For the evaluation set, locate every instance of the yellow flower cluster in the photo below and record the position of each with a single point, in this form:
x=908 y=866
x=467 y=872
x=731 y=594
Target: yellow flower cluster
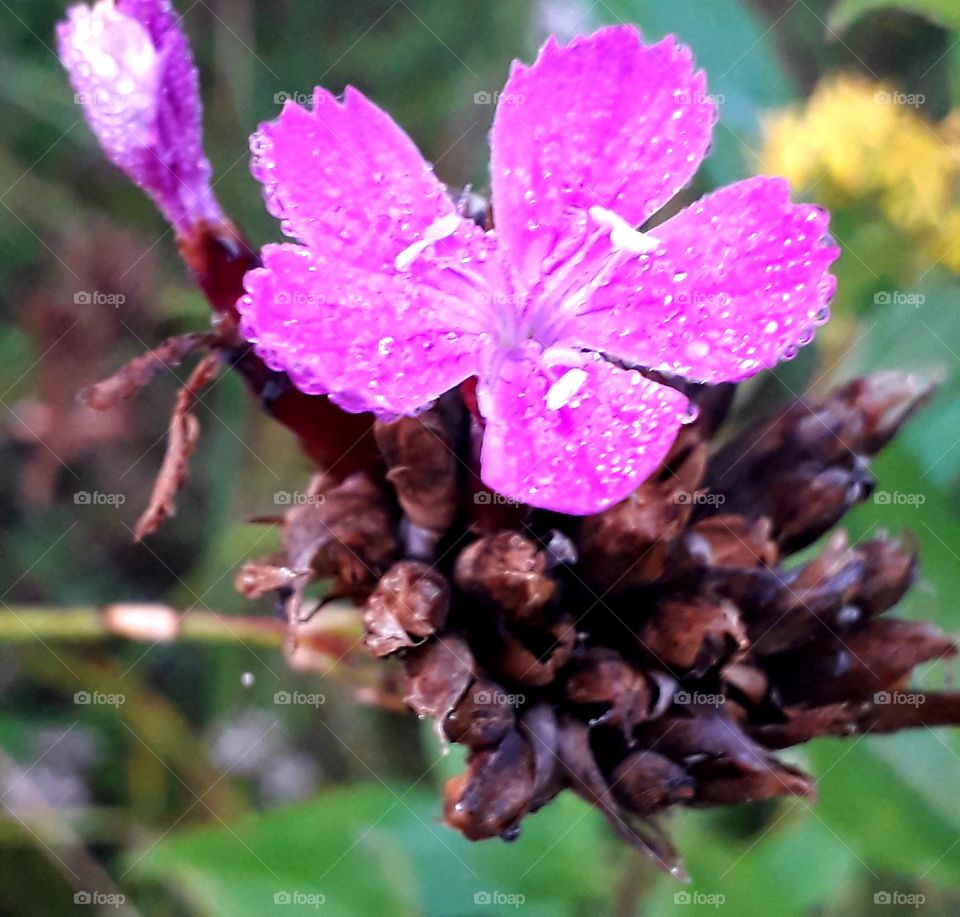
x=856 y=141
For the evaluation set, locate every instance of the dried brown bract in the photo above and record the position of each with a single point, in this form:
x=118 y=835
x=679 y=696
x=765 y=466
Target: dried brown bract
x=654 y=655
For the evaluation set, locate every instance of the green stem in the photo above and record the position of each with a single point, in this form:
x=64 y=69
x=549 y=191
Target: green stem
x=84 y=624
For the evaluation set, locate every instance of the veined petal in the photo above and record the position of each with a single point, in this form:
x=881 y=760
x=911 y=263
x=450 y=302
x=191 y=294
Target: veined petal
x=571 y=432
x=375 y=341
x=347 y=181
x=604 y=122
x=739 y=282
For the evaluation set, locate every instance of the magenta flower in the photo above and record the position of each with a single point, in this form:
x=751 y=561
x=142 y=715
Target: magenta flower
x=133 y=73
x=392 y=298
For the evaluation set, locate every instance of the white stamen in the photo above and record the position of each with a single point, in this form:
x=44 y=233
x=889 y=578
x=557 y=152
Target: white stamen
x=439 y=229
x=560 y=393
x=622 y=235
x=554 y=356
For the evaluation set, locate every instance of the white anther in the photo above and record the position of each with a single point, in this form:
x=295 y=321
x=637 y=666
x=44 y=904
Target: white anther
x=622 y=235
x=441 y=228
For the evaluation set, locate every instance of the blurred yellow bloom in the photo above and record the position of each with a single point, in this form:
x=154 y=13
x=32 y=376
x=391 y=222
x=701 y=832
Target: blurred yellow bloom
x=856 y=141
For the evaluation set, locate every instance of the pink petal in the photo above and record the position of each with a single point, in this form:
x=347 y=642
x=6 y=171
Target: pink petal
x=375 y=341
x=134 y=76
x=740 y=281
x=577 y=435
x=605 y=121
x=347 y=181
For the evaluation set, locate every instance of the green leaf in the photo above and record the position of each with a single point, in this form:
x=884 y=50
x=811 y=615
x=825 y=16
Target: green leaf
x=926 y=760
x=922 y=338
x=929 y=520
x=787 y=867
x=370 y=850
x=942 y=12
x=917 y=475
x=884 y=821
x=743 y=70
x=953 y=73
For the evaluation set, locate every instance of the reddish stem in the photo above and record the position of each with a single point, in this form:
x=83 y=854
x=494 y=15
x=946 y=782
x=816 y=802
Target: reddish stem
x=339 y=442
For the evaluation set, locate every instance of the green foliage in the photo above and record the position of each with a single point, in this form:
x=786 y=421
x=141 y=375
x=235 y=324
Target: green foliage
x=378 y=849
x=176 y=825
x=919 y=328
x=789 y=866
x=911 y=834
x=942 y=12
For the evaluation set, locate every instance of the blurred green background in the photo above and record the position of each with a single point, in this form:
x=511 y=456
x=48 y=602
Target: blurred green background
x=199 y=793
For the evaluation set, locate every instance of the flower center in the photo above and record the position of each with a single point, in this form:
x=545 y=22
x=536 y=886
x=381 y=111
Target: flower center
x=607 y=240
